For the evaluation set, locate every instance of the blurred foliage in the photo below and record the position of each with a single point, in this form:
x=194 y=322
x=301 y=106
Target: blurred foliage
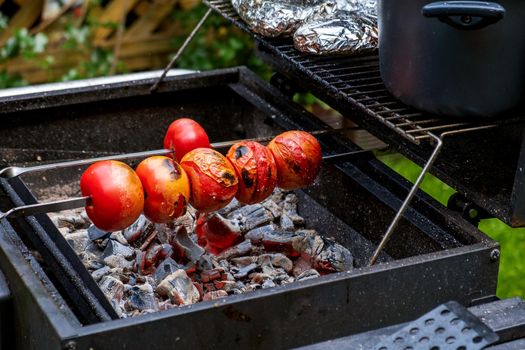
x=217 y=45
x=511 y=280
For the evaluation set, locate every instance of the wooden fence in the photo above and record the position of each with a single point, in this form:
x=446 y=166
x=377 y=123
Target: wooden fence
x=139 y=32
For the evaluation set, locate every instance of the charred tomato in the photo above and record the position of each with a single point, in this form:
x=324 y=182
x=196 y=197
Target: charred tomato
x=117 y=198
x=298 y=158
x=256 y=170
x=166 y=188
x=184 y=135
x=212 y=177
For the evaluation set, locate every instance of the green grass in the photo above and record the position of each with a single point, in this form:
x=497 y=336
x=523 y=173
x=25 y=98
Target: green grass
x=512 y=265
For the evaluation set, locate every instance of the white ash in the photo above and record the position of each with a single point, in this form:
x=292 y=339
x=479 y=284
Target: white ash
x=150 y=267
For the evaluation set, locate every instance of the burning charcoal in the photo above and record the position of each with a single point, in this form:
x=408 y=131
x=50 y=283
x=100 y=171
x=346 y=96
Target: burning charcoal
x=116 y=248
x=118 y=261
x=244 y=260
x=308 y=274
x=90 y=261
x=95 y=233
x=250 y=217
x=233 y=205
x=243 y=248
x=98 y=274
x=256 y=235
x=272 y=207
x=200 y=288
x=215 y=295
x=205 y=262
x=227 y=286
x=184 y=246
x=280 y=242
x=286 y=223
x=216 y=232
x=224 y=264
x=301 y=265
x=268 y=284
x=284 y=279
x=119 y=237
x=167 y=267
x=211 y=275
x=325 y=254
x=113 y=289
x=245 y=271
x=187 y=220
x=153 y=256
x=73 y=222
x=78 y=240
x=179 y=288
x=278 y=260
x=166 y=305
x=141 y=298
x=290 y=209
x=253 y=286
x=137 y=229
x=209 y=287
x=227 y=277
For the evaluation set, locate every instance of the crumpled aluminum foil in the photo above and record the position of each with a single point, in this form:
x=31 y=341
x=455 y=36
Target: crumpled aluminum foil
x=348 y=32
x=273 y=18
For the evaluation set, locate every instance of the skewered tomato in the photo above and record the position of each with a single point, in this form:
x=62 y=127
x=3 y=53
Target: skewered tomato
x=117 y=198
x=256 y=171
x=298 y=158
x=212 y=177
x=184 y=135
x=166 y=188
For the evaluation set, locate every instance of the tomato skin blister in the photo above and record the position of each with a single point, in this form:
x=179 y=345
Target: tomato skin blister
x=256 y=170
x=166 y=188
x=298 y=157
x=213 y=179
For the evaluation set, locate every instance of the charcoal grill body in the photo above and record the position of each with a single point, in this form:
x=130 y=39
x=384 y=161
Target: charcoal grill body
x=436 y=256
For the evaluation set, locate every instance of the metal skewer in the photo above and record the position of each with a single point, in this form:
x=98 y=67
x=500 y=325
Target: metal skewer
x=78 y=202
x=181 y=50
x=15 y=171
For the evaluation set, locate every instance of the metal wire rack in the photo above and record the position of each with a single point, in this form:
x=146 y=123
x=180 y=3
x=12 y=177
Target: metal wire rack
x=355 y=83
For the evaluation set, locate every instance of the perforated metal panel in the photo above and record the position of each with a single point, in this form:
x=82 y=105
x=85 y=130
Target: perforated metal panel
x=449 y=326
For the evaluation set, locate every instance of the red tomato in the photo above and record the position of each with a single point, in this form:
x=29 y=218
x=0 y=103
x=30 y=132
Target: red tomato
x=298 y=158
x=166 y=188
x=184 y=135
x=212 y=177
x=117 y=198
x=256 y=171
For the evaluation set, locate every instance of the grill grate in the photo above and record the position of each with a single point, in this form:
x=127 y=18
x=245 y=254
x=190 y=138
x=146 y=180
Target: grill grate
x=356 y=82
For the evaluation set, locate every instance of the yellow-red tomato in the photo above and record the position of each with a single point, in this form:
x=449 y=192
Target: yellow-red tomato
x=166 y=188
x=212 y=177
x=184 y=135
x=298 y=158
x=117 y=198
x=255 y=169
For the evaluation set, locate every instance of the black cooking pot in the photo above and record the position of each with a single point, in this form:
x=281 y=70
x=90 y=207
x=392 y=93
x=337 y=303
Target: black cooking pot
x=455 y=58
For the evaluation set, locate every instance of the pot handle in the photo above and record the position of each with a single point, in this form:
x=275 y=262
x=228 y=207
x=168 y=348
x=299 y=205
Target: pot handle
x=466 y=15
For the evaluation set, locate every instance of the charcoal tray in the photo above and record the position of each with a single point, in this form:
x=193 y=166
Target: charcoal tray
x=434 y=257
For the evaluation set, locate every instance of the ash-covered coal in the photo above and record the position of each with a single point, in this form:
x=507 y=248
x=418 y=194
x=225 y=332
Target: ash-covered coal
x=151 y=267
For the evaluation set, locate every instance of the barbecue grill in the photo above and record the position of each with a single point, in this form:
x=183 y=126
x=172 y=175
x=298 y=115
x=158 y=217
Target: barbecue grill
x=50 y=300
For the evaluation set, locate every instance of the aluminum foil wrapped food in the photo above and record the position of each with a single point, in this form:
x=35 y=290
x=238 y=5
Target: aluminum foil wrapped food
x=273 y=18
x=348 y=32
x=281 y=18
